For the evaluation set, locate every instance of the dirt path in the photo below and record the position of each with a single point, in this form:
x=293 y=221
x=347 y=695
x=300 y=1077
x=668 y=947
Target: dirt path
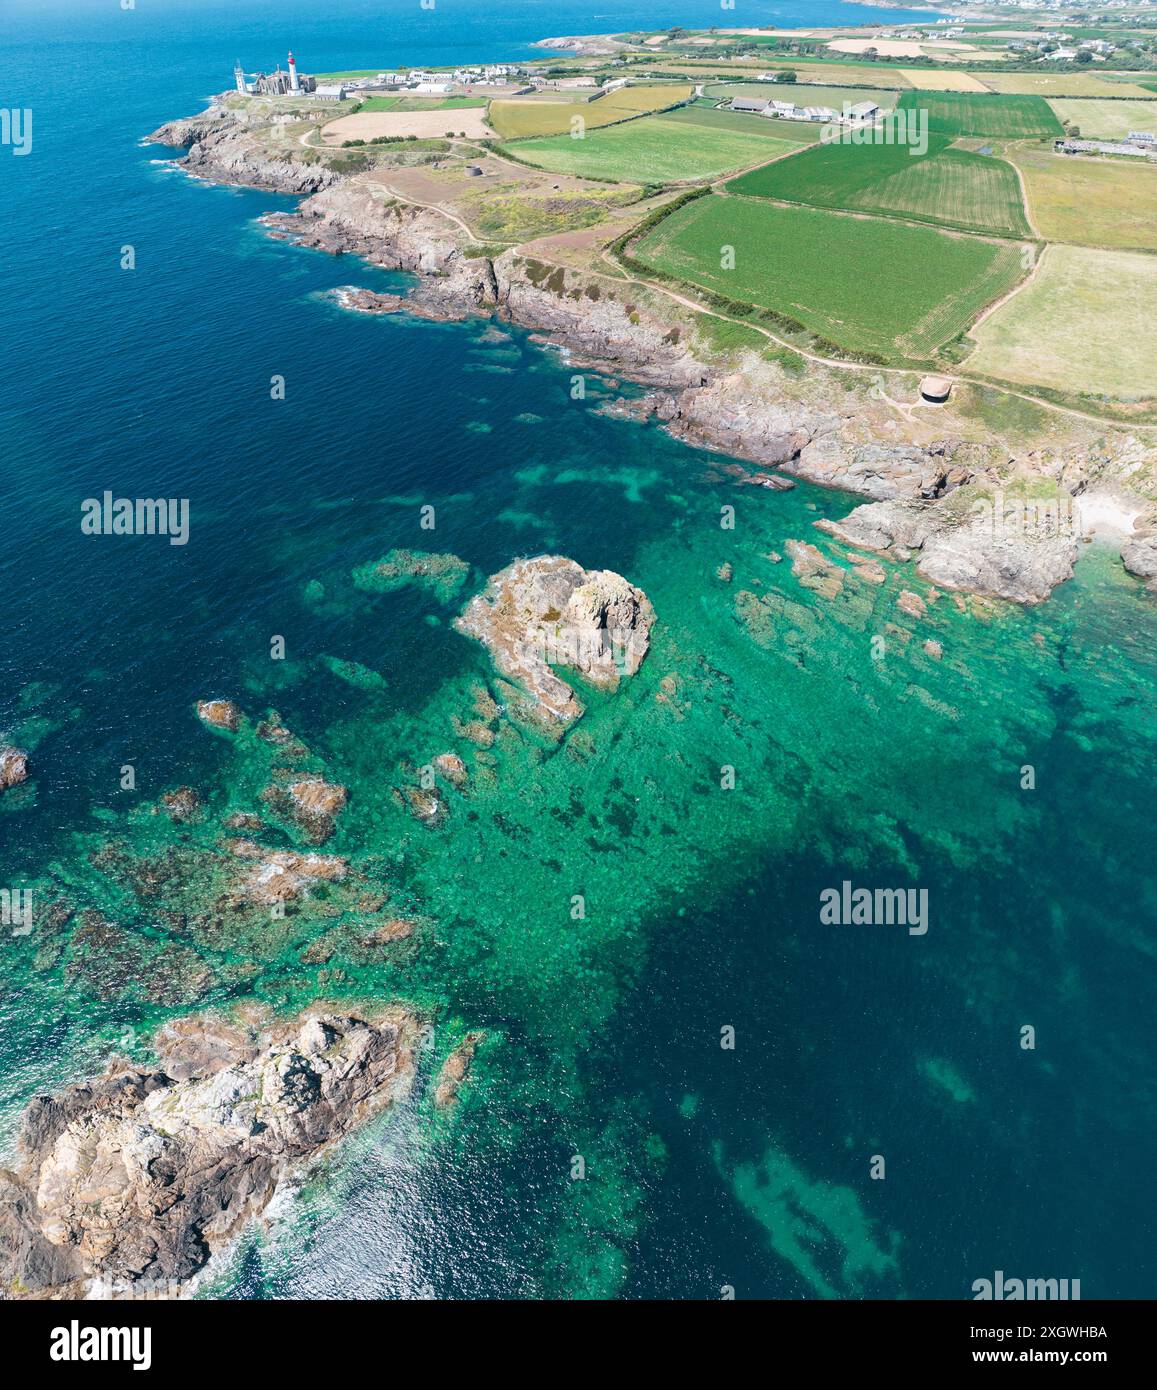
x=437 y=207
x=1012 y=293
x=1028 y=217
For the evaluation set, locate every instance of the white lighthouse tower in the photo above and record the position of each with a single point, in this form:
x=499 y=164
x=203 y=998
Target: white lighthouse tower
x=294 y=80
x=239 y=76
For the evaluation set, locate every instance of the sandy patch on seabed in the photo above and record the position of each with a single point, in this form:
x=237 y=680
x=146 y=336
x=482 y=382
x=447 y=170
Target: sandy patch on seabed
x=367 y=125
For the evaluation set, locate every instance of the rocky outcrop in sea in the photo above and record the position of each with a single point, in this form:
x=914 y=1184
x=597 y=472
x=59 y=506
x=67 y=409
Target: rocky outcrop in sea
x=550 y=611
x=13 y=766
x=963 y=553
x=135 y=1179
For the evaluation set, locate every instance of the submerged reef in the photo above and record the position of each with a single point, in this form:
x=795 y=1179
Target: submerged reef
x=441 y=575
x=783 y=696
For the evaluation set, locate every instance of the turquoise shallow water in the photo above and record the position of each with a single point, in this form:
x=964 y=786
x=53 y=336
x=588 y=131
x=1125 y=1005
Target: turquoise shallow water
x=706 y=1167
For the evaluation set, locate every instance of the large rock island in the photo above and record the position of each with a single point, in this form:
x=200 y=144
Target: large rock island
x=550 y=611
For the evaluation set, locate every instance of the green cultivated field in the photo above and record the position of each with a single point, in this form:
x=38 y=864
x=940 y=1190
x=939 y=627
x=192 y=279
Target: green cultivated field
x=984 y=115
x=949 y=187
x=866 y=284
x=514 y=119
x=710 y=118
x=655 y=149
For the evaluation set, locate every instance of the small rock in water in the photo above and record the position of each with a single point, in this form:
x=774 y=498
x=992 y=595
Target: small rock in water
x=869 y=570
x=424 y=806
x=181 y=805
x=280 y=876
x=221 y=714
x=272 y=730
x=814 y=570
x=454 y=1070
x=451 y=766
x=13 y=766
x=396 y=929
x=911 y=603
x=316 y=804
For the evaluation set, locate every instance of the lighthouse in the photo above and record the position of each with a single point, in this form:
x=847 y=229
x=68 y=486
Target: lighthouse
x=294 y=80
x=239 y=77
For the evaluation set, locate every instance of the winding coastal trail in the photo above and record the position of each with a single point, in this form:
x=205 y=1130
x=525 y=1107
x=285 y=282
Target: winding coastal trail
x=622 y=276
x=451 y=216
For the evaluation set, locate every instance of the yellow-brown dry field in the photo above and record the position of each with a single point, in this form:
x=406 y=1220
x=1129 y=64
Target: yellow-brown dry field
x=1086 y=323
x=1104 y=119
x=947 y=81
x=368 y=125
x=1064 y=84
x=1089 y=202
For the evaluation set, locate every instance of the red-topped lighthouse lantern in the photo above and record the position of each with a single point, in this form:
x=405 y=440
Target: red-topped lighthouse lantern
x=294 y=81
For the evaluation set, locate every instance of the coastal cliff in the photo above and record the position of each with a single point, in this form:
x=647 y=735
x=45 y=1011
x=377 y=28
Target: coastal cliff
x=221 y=147
x=837 y=438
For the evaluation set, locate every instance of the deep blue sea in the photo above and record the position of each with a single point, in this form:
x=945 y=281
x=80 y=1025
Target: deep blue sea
x=710 y=1168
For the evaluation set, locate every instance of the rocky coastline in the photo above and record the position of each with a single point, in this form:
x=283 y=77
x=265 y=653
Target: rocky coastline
x=744 y=413
x=128 y=1184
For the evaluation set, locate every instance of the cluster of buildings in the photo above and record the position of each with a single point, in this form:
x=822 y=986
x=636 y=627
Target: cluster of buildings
x=859 y=114
x=1041 y=4
x=423 y=83
x=285 y=82
x=1068 y=4
x=288 y=81
x=1060 y=48
x=1140 y=144
x=493 y=75
x=1097 y=49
